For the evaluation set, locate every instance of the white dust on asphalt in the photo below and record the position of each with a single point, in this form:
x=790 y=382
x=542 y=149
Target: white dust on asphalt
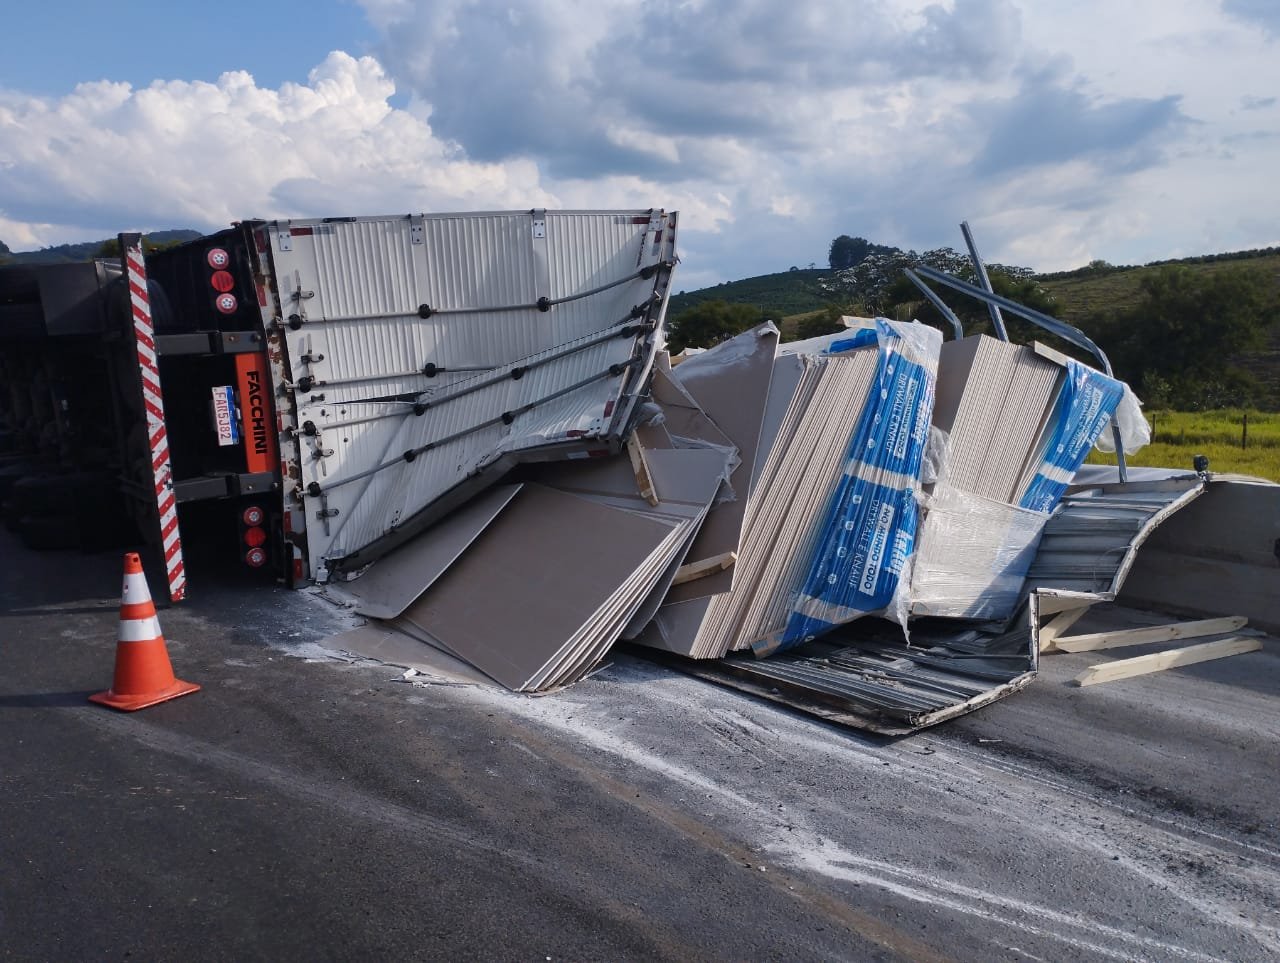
x=926 y=819
x=804 y=794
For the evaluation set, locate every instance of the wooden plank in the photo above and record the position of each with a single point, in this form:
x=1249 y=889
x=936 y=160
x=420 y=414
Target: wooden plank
x=708 y=566
x=638 y=465
x=1050 y=631
x=1159 y=661
x=1151 y=633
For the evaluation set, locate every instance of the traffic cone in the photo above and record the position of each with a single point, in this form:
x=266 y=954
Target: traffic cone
x=143 y=674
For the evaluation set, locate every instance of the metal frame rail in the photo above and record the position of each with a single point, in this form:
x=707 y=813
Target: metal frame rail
x=1053 y=325
x=980 y=269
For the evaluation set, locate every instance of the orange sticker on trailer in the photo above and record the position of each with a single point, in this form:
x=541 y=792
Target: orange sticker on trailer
x=256 y=415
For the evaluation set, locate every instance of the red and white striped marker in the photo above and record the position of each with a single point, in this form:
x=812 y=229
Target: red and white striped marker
x=152 y=399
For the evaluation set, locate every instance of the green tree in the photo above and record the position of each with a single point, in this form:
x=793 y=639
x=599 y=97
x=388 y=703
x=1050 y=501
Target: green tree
x=825 y=321
x=904 y=302
x=1183 y=338
x=110 y=248
x=846 y=252
x=707 y=324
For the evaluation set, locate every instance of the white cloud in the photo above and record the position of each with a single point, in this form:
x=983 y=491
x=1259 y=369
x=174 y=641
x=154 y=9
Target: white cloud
x=1062 y=133
x=107 y=157
x=893 y=121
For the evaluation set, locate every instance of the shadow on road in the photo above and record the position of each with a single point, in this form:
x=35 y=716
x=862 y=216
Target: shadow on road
x=46 y=700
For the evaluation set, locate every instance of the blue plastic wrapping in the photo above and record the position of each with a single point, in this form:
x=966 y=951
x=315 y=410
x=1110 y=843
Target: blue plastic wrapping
x=1085 y=405
x=869 y=534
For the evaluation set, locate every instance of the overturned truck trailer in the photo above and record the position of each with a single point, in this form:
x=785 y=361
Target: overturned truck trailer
x=298 y=397
x=430 y=413
x=422 y=357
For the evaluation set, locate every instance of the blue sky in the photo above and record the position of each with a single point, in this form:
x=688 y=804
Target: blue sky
x=48 y=48
x=1062 y=132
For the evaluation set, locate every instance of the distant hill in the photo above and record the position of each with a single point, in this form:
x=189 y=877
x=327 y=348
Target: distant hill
x=1097 y=288
x=64 y=253
x=1082 y=293
x=786 y=293
x=806 y=290
x=1100 y=287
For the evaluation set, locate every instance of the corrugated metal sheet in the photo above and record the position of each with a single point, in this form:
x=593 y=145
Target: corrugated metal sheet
x=1090 y=542
x=495 y=376
x=855 y=678
x=882 y=686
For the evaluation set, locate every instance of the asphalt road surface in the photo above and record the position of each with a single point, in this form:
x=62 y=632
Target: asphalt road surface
x=304 y=806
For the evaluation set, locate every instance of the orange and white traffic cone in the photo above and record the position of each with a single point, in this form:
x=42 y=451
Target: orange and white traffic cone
x=143 y=674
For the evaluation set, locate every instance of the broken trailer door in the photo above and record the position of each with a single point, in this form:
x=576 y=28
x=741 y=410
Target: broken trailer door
x=423 y=356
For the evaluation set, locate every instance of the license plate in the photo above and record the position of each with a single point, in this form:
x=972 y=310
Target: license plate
x=224 y=415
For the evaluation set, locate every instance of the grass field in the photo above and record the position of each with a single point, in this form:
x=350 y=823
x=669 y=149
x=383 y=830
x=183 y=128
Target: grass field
x=1085 y=294
x=784 y=293
x=1179 y=436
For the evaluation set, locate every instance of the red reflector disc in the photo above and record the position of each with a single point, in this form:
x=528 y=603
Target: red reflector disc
x=222 y=281
x=226 y=303
x=218 y=258
x=253 y=515
x=255 y=558
x=253 y=537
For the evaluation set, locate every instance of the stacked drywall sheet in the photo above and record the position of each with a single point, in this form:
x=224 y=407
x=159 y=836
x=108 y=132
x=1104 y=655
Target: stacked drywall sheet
x=730 y=387
x=994 y=400
x=540 y=596
x=795 y=487
x=530 y=584
x=1085 y=405
x=387 y=587
x=679 y=624
x=830 y=515
x=868 y=534
x=1018 y=424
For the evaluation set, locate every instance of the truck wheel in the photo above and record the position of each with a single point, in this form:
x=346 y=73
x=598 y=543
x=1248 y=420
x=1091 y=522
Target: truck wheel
x=102 y=521
x=55 y=494
x=9 y=475
x=48 y=532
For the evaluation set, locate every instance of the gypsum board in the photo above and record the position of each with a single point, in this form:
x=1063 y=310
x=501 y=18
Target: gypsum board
x=785 y=574
x=787 y=503
x=758 y=531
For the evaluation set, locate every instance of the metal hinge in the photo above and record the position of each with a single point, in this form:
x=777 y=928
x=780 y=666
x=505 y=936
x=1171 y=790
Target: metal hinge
x=657 y=222
x=539 y=215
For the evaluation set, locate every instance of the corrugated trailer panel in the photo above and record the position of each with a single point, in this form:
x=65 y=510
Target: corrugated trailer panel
x=428 y=353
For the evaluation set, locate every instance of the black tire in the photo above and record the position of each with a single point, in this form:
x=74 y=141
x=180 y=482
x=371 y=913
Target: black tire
x=57 y=493
x=9 y=475
x=49 y=532
x=103 y=522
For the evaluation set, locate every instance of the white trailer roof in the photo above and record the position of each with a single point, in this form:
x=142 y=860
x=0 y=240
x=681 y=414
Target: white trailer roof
x=426 y=354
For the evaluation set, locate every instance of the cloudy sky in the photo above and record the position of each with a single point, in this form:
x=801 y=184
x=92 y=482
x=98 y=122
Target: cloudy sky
x=1128 y=130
